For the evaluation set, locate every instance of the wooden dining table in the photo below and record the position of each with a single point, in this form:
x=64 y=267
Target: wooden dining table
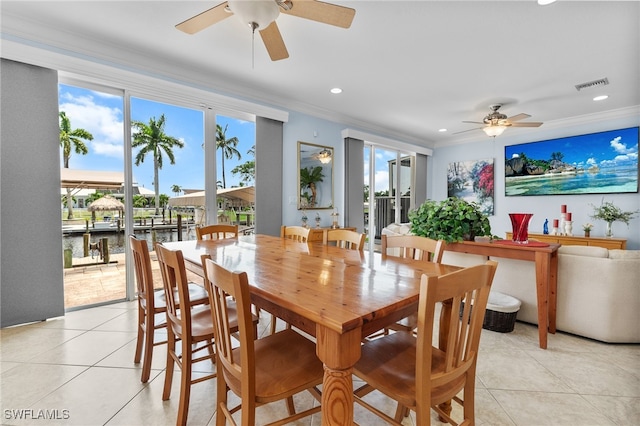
x=338 y=296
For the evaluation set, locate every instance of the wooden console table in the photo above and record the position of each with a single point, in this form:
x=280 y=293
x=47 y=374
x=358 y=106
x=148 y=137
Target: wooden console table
x=546 y=260
x=565 y=240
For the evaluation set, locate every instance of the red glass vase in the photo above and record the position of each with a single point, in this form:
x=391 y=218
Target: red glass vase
x=520 y=224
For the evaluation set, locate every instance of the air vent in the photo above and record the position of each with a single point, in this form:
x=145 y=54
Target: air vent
x=594 y=83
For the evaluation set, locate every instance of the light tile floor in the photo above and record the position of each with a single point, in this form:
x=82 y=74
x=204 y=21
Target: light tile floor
x=80 y=369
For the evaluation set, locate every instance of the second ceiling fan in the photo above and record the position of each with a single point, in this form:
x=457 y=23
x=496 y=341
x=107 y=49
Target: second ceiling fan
x=261 y=15
x=496 y=122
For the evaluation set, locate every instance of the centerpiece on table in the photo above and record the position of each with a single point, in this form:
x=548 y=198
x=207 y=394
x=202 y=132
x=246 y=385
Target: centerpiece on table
x=451 y=220
x=610 y=213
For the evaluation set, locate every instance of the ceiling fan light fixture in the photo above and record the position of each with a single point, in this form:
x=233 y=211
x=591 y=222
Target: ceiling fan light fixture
x=255 y=12
x=494 y=131
x=324 y=156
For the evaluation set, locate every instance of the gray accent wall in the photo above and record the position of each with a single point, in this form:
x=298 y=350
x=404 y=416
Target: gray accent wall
x=421 y=179
x=31 y=274
x=354 y=191
x=269 y=191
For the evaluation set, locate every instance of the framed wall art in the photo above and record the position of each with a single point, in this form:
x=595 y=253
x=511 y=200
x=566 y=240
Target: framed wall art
x=596 y=163
x=472 y=181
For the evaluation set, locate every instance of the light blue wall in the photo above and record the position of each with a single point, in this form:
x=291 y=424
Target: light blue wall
x=305 y=128
x=541 y=206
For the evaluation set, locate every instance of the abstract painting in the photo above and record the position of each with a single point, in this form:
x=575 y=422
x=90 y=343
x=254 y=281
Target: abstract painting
x=472 y=181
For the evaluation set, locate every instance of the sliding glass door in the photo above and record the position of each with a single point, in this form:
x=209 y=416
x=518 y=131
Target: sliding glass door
x=388 y=188
x=91 y=158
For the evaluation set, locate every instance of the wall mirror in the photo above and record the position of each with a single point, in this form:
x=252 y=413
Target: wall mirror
x=315 y=176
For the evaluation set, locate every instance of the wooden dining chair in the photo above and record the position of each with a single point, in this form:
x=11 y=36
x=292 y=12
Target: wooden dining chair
x=152 y=302
x=193 y=328
x=416 y=374
x=216 y=232
x=261 y=371
x=297 y=233
x=344 y=238
x=411 y=247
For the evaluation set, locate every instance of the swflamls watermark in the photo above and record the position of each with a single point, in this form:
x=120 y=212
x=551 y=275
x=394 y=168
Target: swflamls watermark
x=36 y=414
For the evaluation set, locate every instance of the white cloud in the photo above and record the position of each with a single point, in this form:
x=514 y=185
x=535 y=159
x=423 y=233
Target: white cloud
x=381 y=180
x=620 y=147
x=104 y=123
x=591 y=161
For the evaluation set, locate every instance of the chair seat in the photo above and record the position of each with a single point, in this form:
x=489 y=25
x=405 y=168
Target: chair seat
x=285 y=352
x=390 y=363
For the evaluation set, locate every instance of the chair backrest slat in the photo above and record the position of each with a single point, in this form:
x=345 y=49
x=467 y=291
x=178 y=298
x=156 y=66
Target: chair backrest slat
x=174 y=278
x=297 y=233
x=413 y=247
x=142 y=264
x=216 y=232
x=344 y=238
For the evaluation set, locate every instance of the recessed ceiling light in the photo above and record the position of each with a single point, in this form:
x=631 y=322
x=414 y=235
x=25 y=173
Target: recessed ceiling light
x=442 y=130
x=545 y=2
x=336 y=90
x=600 y=98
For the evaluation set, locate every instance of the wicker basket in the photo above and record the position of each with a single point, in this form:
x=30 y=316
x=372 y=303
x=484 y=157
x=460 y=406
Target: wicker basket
x=501 y=312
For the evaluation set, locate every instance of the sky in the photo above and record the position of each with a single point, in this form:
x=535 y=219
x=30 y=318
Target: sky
x=604 y=149
x=101 y=114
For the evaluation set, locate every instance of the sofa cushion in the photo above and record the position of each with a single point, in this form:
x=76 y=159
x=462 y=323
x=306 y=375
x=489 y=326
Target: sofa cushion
x=584 y=251
x=624 y=254
x=397 y=229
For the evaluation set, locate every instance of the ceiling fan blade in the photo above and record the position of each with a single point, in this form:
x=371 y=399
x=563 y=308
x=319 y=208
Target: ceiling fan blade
x=326 y=13
x=474 y=122
x=518 y=117
x=528 y=124
x=468 y=130
x=274 y=43
x=204 y=19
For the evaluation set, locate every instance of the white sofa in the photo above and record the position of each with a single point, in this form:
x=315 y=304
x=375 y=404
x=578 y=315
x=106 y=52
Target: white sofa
x=598 y=292
x=598 y=289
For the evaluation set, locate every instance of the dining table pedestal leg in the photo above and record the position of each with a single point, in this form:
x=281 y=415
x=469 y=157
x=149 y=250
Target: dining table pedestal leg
x=339 y=353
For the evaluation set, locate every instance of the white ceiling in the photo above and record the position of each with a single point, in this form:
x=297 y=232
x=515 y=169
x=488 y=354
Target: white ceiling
x=407 y=68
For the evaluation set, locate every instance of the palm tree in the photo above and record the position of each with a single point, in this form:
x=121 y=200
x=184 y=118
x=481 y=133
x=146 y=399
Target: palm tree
x=247 y=171
x=71 y=138
x=151 y=138
x=176 y=189
x=309 y=177
x=228 y=147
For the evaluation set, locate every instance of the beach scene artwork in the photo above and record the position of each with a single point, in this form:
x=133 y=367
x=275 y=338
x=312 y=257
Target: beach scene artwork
x=472 y=181
x=597 y=163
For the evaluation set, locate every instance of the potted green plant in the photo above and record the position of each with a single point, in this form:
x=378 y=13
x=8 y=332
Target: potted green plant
x=610 y=213
x=451 y=220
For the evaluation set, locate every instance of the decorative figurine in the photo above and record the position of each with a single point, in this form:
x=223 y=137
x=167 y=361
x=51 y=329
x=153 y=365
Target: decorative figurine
x=318 y=219
x=545 y=227
x=334 y=216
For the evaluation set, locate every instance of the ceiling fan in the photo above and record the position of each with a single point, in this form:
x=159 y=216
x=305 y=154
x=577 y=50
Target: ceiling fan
x=261 y=15
x=495 y=123
x=324 y=156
